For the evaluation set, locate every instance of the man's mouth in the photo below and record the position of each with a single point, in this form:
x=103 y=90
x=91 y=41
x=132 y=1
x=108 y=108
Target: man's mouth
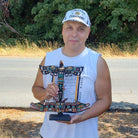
x=73 y=41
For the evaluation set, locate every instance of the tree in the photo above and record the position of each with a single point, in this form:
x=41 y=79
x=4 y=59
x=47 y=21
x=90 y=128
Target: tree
x=4 y=14
x=48 y=16
x=14 y=16
x=121 y=16
x=112 y=21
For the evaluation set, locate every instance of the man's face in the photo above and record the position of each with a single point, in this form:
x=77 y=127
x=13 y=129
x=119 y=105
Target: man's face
x=75 y=34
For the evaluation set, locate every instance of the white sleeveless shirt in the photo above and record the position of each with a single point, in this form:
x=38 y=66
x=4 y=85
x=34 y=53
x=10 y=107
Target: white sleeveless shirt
x=86 y=129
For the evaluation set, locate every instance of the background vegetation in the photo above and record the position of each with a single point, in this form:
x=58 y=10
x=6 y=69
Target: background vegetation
x=38 y=21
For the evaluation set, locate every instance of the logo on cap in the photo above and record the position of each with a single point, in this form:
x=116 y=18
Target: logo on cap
x=77 y=13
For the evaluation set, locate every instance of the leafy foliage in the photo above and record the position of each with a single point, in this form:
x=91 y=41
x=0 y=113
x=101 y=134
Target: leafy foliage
x=112 y=21
x=19 y=17
x=122 y=15
x=20 y=13
x=48 y=17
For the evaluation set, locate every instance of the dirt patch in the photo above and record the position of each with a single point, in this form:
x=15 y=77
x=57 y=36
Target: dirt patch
x=118 y=125
x=16 y=123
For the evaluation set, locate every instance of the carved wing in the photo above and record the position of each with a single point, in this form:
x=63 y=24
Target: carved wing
x=52 y=70
x=73 y=70
x=60 y=106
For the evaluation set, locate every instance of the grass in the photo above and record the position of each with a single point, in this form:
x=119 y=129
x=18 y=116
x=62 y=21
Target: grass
x=25 y=50
x=113 y=50
x=32 y=50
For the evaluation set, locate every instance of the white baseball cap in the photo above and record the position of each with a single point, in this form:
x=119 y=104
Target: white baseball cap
x=77 y=15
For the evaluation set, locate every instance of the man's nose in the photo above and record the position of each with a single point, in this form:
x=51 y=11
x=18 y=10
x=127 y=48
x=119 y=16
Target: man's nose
x=74 y=33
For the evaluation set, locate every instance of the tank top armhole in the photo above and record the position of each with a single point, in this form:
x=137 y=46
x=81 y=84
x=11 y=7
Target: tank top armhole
x=94 y=56
x=98 y=56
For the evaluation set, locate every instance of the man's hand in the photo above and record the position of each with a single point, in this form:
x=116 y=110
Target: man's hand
x=52 y=90
x=74 y=119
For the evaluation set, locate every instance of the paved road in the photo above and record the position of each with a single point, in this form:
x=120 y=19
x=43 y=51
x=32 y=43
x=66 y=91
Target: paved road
x=17 y=76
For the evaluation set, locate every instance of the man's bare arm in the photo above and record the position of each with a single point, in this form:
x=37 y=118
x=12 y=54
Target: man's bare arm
x=38 y=89
x=103 y=93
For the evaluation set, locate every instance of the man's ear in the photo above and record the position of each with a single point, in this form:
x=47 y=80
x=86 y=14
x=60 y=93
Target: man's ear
x=62 y=30
x=89 y=33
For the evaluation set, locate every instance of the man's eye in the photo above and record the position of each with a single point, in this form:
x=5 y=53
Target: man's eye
x=81 y=29
x=69 y=28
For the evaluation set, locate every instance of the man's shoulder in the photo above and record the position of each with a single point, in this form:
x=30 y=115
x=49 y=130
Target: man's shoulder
x=56 y=51
x=93 y=52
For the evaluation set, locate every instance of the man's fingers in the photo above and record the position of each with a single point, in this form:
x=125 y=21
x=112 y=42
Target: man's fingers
x=52 y=89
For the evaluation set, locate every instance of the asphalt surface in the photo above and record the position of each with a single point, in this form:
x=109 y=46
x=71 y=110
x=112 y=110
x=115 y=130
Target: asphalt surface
x=18 y=74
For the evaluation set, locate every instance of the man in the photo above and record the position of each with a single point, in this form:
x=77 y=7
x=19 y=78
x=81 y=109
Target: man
x=95 y=84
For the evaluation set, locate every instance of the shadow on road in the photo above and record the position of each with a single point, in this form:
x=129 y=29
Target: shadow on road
x=124 y=106
x=15 y=128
